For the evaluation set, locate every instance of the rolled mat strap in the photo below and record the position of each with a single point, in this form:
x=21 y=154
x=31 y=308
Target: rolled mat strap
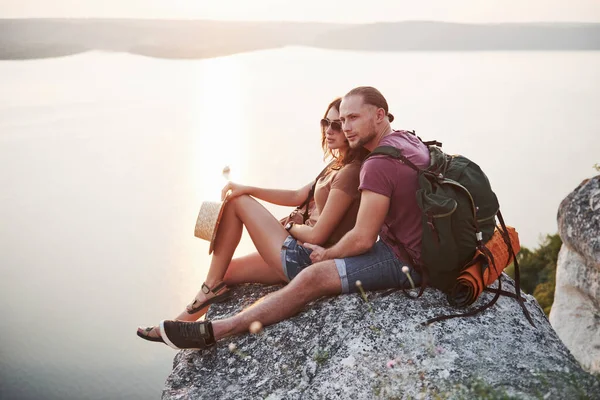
x=488 y=266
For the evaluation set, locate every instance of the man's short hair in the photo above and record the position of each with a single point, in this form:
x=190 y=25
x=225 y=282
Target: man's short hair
x=371 y=96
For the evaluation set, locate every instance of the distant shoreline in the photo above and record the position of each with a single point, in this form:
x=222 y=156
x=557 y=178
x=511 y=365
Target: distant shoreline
x=26 y=39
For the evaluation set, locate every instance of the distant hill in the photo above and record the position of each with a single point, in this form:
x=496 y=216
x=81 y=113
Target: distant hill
x=41 y=38
x=403 y=36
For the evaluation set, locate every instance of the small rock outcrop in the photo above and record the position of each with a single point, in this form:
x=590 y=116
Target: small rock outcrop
x=345 y=348
x=575 y=312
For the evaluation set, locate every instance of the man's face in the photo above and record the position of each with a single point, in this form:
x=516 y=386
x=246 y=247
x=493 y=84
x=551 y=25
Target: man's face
x=358 y=121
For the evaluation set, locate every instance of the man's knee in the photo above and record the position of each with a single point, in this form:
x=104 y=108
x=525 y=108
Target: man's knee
x=322 y=278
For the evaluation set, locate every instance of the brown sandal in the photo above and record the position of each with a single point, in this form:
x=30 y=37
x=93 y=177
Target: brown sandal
x=220 y=293
x=144 y=333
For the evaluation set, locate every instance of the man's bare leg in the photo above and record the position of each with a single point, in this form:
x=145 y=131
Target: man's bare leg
x=320 y=279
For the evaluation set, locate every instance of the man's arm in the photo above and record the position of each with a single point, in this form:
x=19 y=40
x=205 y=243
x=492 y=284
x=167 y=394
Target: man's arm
x=336 y=207
x=371 y=214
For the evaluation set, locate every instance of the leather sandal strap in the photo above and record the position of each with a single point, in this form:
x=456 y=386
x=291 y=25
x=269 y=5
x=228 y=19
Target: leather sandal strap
x=205 y=289
x=215 y=290
x=218 y=288
x=148 y=330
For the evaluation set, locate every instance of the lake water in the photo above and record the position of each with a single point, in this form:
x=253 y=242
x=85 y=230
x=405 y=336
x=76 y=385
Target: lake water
x=106 y=157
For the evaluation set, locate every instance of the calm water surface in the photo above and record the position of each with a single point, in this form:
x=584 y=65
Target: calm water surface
x=105 y=159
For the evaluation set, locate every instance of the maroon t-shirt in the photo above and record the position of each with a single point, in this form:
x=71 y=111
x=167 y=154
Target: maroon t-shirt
x=392 y=178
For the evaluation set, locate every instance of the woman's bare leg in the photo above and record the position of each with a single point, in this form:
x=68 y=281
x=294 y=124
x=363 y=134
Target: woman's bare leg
x=247 y=269
x=266 y=233
x=250 y=268
x=264 y=267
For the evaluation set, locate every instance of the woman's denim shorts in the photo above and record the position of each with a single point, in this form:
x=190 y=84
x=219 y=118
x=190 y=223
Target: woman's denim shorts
x=294 y=257
x=376 y=269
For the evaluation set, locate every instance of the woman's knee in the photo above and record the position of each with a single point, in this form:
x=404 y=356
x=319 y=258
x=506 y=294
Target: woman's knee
x=239 y=200
x=238 y=203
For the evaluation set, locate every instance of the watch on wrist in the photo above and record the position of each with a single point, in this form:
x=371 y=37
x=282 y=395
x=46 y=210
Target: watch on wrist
x=289 y=225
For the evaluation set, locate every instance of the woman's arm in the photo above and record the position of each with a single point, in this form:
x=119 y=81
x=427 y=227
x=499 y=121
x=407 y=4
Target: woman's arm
x=335 y=208
x=274 y=196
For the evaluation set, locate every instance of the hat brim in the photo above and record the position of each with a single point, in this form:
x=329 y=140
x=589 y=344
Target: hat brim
x=214 y=235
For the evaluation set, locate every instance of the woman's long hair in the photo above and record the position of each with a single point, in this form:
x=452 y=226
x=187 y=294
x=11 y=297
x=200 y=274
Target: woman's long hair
x=340 y=158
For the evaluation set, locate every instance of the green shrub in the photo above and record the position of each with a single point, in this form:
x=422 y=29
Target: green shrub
x=538 y=270
x=544 y=294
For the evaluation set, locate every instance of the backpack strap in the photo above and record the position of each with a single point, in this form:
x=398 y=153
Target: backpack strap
x=393 y=152
x=503 y=293
x=432 y=143
x=517 y=273
x=488 y=255
x=426 y=143
x=470 y=313
x=311 y=194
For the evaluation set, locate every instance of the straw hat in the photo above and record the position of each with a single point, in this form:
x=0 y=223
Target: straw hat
x=208 y=220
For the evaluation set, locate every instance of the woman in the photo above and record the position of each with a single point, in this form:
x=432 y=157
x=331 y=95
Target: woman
x=280 y=255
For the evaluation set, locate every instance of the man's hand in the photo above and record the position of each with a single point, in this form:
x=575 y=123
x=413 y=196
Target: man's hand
x=234 y=189
x=318 y=253
x=371 y=215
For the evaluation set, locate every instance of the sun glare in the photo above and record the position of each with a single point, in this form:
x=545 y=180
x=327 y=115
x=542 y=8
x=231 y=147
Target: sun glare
x=218 y=115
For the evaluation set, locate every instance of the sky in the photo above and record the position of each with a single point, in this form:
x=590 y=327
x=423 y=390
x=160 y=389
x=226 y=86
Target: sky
x=344 y=11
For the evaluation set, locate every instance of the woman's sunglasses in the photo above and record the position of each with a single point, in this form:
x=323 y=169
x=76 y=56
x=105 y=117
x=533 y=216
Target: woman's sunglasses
x=335 y=125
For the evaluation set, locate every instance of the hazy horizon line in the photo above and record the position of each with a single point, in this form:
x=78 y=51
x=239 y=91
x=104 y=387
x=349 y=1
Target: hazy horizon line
x=303 y=22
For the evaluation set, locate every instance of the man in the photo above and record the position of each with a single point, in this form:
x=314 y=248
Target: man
x=388 y=209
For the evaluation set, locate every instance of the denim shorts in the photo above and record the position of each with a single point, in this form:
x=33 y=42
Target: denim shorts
x=294 y=257
x=377 y=269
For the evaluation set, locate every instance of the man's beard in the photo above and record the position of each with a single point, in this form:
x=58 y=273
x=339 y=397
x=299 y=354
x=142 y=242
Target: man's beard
x=364 y=140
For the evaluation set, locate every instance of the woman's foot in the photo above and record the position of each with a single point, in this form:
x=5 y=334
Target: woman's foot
x=207 y=296
x=150 y=333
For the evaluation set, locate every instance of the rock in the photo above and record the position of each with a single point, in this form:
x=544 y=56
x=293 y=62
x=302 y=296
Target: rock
x=338 y=349
x=579 y=220
x=575 y=312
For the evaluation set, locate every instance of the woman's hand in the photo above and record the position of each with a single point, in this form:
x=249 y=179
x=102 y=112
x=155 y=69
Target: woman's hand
x=318 y=252
x=234 y=190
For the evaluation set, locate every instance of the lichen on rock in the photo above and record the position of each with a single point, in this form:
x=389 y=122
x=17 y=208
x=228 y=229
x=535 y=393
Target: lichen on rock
x=337 y=349
x=575 y=312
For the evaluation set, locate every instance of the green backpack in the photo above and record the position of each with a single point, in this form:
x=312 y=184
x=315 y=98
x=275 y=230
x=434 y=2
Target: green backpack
x=459 y=212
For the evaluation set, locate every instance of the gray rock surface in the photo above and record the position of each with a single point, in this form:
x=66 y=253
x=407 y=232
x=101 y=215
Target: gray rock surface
x=345 y=348
x=575 y=313
x=579 y=220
